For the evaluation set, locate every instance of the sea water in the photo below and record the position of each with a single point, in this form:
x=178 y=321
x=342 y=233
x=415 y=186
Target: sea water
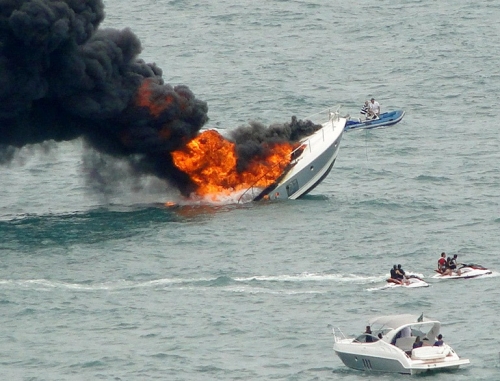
x=116 y=286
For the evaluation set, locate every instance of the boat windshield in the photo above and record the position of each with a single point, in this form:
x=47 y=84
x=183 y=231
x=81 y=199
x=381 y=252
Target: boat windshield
x=364 y=338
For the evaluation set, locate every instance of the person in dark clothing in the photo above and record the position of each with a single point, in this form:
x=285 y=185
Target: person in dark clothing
x=369 y=338
x=439 y=341
x=394 y=275
x=452 y=264
x=401 y=275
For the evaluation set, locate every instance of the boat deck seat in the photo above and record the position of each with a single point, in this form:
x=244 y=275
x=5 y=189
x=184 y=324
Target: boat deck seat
x=430 y=353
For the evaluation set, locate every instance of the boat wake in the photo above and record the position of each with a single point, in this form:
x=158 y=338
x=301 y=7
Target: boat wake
x=275 y=284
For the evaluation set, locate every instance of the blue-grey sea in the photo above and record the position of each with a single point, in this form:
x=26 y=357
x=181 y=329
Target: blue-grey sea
x=115 y=286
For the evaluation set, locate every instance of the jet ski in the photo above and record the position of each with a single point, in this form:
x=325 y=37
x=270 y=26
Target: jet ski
x=411 y=281
x=467 y=271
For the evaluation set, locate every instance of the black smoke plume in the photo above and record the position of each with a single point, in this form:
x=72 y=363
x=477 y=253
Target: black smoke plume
x=61 y=77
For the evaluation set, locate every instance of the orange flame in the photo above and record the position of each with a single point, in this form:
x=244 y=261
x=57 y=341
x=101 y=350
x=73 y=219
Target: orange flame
x=210 y=160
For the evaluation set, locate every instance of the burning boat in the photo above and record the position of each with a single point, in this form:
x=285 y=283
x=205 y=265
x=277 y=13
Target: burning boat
x=310 y=163
x=257 y=162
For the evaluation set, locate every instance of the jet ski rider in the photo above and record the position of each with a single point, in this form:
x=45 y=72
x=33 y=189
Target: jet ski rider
x=401 y=275
x=398 y=275
x=442 y=268
x=394 y=275
x=452 y=264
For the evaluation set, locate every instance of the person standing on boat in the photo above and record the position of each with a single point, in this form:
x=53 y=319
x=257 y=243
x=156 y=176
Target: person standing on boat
x=368 y=332
x=374 y=108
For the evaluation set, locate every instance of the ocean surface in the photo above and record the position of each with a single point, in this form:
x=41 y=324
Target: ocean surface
x=116 y=286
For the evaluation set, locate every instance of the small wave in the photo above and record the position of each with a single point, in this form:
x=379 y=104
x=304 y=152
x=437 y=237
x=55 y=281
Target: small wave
x=311 y=277
x=261 y=290
x=428 y=178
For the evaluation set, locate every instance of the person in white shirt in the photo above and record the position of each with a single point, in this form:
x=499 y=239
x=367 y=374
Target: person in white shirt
x=374 y=108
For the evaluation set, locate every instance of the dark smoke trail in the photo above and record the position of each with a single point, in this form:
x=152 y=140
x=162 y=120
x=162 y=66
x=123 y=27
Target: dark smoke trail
x=61 y=77
x=249 y=139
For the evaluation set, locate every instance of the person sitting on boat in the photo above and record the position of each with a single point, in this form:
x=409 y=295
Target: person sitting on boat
x=394 y=275
x=374 y=112
x=400 y=271
x=442 y=269
x=453 y=264
x=364 y=111
x=418 y=343
x=440 y=341
x=401 y=275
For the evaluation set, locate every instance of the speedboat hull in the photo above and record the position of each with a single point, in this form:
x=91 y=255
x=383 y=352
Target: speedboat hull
x=397 y=361
x=314 y=160
x=386 y=119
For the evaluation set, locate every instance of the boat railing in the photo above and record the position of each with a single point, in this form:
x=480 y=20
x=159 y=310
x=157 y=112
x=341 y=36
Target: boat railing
x=333 y=113
x=340 y=336
x=333 y=116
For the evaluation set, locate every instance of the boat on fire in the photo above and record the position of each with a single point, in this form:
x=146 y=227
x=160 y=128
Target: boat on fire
x=310 y=163
x=389 y=347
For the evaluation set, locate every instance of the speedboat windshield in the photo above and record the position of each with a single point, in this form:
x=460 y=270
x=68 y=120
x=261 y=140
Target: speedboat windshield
x=365 y=338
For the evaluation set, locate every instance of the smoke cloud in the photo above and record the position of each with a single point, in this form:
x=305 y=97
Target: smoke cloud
x=61 y=78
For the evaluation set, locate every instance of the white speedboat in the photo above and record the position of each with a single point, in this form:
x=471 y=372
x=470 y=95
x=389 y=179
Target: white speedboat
x=466 y=272
x=311 y=162
x=393 y=352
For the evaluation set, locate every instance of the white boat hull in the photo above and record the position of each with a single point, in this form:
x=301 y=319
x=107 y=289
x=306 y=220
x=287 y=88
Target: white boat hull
x=465 y=273
x=313 y=164
x=387 y=358
x=411 y=283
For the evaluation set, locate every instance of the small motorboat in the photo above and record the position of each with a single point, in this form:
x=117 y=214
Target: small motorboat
x=411 y=281
x=389 y=348
x=385 y=119
x=466 y=272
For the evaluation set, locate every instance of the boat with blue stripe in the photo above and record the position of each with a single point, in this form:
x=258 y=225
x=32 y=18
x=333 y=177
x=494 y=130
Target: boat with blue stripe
x=385 y=119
